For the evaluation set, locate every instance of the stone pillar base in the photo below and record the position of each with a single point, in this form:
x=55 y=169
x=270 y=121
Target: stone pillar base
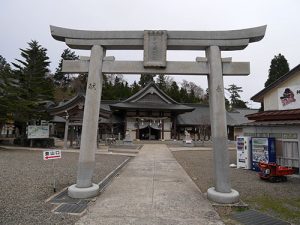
x=75 y=192
x=223 y=198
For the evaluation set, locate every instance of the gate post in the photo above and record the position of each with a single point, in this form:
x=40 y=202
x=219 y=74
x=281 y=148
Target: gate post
x=222 y=192
x=84 y=188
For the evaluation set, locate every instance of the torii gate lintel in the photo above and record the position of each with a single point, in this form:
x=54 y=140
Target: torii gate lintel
x=172 y=67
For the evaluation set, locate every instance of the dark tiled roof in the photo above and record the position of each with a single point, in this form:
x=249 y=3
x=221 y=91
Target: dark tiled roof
x=67 y=104
x=201 y=116
x=259 y=96
x=145 y=89
x=292 y=114
x=238 y=116
x=141 y=106
x=151 y=98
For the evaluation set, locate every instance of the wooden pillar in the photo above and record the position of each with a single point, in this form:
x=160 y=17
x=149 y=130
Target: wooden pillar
x=175 y=127
x=138 y=131
x=162 y=129
x=72 y=136
x=66 y=133
x=125 y=125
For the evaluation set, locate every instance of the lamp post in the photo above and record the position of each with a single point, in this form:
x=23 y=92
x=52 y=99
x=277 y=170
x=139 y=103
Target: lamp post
x=66 y=130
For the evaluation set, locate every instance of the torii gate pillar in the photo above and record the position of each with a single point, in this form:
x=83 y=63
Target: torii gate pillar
x=222 y=192
x=155 y=44
x=84 y=188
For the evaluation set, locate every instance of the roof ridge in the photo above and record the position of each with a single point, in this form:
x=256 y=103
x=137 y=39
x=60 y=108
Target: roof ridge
x=144 y=89
x=276 y=83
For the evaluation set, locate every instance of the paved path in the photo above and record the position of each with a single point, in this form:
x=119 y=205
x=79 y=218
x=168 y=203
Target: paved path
x=152 y=189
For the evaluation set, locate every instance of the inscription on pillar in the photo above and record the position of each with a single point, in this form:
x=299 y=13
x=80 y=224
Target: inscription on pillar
x=92 y=86
x=155 y=47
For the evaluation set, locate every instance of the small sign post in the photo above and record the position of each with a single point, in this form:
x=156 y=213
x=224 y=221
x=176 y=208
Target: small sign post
x=52 y=154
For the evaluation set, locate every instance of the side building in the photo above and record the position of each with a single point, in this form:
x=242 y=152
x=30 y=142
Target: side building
x=280 y=118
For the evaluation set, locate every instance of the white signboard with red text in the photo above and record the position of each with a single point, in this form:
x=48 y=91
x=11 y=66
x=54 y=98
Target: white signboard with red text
x=289 y=97
x=52 y=154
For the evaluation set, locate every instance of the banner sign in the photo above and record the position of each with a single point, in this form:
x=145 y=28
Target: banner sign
x=289 y=97
x=38 y=132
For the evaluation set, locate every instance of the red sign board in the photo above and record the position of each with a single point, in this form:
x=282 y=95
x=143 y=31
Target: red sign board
x=52 y=154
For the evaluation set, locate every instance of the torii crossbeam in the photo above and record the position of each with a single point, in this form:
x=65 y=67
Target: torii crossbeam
x=155 y=44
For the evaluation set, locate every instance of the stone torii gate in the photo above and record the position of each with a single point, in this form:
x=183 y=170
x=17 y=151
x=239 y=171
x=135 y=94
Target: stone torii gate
x=155 y=44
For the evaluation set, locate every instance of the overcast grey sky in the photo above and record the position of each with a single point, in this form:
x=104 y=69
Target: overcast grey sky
x=22 y=21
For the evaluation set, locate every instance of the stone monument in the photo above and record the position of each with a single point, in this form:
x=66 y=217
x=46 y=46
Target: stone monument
x=187 y=141
x=155 y=44
x=127 y=140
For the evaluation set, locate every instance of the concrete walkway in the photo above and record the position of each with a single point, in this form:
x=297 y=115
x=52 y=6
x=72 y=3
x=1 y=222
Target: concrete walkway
x=152 y=189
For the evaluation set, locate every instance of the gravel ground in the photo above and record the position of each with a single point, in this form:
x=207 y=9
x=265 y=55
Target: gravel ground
x=26 y=182
x=199 y=166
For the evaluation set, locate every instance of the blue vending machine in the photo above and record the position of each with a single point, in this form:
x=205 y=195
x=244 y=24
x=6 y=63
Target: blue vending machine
x=263 y=149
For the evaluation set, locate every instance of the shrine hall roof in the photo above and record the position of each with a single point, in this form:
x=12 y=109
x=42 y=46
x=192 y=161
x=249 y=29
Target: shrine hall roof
x=149 y=106
x=151 y=98
x=201 y=116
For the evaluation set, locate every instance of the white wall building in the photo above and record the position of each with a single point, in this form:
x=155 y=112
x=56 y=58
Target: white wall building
x=280 y=118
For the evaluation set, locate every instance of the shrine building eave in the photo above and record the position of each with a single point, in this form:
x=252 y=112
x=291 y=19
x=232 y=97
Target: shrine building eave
x=124 y=106
x=176 y=40
x=273 y=115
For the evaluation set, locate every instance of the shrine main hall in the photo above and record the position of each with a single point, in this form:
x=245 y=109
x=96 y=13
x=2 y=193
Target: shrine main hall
x=150 y=114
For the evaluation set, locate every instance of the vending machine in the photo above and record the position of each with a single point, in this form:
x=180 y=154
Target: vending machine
x=263 y=149
x=243 y=154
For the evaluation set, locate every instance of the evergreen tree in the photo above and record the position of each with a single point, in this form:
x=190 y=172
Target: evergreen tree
x=134 y=88
x=227 y=104
x=240 y=104
x=145 y=79
x=279 y=66
x=161 y=82
x=8 y=91
x=184 y=96
x=63 y=79
x=168 y=80
x=126 y=92
x=107 y=89
x=79 y=83
x=173 y=92
x=235 y=98
x=35 y=86
x=115 y=88
x=68 y=85
x=192 y=97
x=5 y=72
x=191 y=93
x=3 y=64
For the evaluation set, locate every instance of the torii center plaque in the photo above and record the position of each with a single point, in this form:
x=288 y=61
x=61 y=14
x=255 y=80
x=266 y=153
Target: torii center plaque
x=155 y=48
x=155 y=44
